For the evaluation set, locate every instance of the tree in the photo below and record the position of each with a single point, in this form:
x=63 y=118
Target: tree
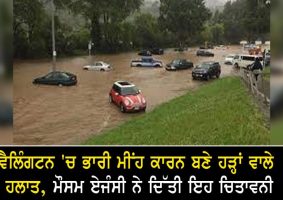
x=246 y=19
x=184 y=18
x=106 y=19
x=29 y=19
x=147 y=31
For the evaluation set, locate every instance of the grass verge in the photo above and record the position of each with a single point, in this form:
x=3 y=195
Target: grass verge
x=276 y=133
x=219 y=113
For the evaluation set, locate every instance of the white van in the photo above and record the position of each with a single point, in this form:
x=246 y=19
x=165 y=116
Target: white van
x=245 y=60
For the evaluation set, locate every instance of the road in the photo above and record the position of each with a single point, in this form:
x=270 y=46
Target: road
x=45 y=115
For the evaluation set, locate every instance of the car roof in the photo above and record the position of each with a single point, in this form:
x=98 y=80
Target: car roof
x=248 y=55
x=210 y=62
x=124 y=84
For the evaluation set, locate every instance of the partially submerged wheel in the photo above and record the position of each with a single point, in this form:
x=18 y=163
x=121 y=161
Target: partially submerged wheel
x=122 y=108
x=110 y=99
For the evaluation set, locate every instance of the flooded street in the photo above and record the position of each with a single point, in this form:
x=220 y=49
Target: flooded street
x=70 y=115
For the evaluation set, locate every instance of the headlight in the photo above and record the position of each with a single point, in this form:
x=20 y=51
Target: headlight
x=143 y=100
x=126 y=102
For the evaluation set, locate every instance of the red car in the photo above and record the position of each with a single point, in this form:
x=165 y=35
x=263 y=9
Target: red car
x=127 y=96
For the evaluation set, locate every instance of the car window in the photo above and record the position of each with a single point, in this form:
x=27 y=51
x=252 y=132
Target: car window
x=248 y=58
x=236 y=57
x=48 y=76
x=98 y=64
x=63 y=76
x=129 y=91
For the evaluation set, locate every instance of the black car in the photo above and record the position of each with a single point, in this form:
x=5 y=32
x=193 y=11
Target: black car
x=179 y=64
x=145 y=53
x=57 y=78
x=202 y=52
x=157 y=51
x=207 y=70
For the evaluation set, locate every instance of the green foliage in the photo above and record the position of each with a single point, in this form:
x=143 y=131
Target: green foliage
x=118 y=25
x=246 y=19
x=183 y=18
x=147 y=31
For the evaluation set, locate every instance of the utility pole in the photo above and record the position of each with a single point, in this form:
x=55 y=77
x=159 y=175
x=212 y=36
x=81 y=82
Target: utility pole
x=54 y=54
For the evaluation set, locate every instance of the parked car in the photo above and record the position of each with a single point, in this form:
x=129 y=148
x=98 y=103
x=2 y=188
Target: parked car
x=157 y=51
x=207 y=70
x=146 y=62
x=202 y=52
x=127 y=96
x=229 y=59
x=57 y=78
x=145 y=53
x=98 y=66
x=179 y=64
x=243 y=61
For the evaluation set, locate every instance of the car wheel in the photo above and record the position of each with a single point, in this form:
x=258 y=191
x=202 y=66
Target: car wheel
x=207 y=77
x=236 y=65
x=218 y=75
x=110 y=99
x=102 y=70
x=138 y=65
x=122 y=108
x=143 y=110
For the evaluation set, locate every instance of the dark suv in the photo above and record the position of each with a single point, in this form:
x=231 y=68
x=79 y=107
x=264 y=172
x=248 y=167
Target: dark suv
x=207 y=70
x=202 y=52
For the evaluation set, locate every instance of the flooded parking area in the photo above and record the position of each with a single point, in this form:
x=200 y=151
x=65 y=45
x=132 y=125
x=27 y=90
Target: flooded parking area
x=70 y=115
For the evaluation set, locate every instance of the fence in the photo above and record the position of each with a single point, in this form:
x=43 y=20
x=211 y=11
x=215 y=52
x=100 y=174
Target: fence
x=260 y=88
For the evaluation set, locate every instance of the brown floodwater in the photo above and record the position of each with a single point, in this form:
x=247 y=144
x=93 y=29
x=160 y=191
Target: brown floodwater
x=70 y=115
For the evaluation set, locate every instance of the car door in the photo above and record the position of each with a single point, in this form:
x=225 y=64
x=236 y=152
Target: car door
x=211 y=70
x=115 y=93
x=215 y=69
x=181 y=64
x=186 y=64
x=46 y=79
x=148 y=62
x=98 y=66
x=55 y=79
x=51 y=79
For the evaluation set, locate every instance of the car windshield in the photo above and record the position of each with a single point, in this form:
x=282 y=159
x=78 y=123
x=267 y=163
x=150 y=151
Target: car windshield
x=230 y=56
x=203 y=66
x=129 y=91
x=176 y=62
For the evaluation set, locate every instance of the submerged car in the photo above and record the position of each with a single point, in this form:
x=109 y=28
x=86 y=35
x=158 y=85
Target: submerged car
x=146 y=62
x=145 y=53
x=57 y=78
x=229 y=59
x=157 y=51
x=179 y=64
x=98 y=66
x=202 y=52
x=207 y=70
x=127 y=96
